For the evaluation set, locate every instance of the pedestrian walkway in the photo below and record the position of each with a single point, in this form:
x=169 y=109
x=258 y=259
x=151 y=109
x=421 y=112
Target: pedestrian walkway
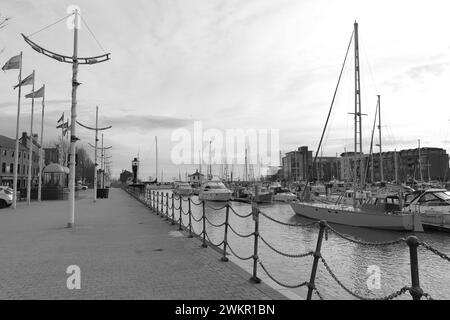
x=123 y=251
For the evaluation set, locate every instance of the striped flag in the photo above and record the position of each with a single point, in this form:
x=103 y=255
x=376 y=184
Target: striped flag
x=37 y=94
x=28 y=80
x=13 y=63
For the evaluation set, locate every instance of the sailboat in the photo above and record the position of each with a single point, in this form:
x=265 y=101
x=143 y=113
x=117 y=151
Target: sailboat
x=381 y=213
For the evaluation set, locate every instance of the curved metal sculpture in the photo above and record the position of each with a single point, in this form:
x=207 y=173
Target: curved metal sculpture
x=63 y=58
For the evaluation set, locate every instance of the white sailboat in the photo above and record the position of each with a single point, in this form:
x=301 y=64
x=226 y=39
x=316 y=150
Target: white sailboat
x=375 y=214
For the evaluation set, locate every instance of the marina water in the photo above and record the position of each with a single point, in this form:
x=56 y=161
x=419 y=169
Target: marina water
x=349 y=261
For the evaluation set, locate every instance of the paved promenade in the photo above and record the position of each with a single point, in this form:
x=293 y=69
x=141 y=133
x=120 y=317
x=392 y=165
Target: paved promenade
x=123 y=251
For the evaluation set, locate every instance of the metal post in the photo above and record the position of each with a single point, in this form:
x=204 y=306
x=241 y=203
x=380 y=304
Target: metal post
x=153 y=201
x=416 y=292
x=41 y=162
x=162 y=204
x=30 y=158
x=204 y=245
x=16 y=154
x=157 y=203
x=73 y=137
x=167 y=206
x=181 y=214
x=95 y=154
x=225 y=238
x=190 y=219
x=254 y=277
x=317 y=256
x=173 y=210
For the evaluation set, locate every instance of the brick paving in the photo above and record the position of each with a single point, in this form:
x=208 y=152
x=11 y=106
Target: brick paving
x=123 y=250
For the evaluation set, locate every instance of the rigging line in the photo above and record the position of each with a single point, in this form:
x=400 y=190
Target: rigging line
x=369 y=66
x=50 y=25
x=329 y=111
x=370 y=159
x=92 y=34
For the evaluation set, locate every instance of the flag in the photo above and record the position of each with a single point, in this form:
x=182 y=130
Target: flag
x=37 y=94
x=13 y=63
x=65 y=131
x=63 y=125
x=28 y=80
x=61 y=119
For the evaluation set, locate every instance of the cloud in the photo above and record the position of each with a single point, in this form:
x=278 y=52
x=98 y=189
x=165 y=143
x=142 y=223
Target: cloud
x=144 y=123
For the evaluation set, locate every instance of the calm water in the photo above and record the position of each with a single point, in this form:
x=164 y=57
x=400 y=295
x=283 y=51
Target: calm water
x=349 y=261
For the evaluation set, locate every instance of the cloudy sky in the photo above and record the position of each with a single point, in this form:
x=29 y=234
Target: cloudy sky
x=263 y=64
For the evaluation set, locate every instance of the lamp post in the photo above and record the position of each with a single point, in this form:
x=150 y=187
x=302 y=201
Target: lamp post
x=75 y=61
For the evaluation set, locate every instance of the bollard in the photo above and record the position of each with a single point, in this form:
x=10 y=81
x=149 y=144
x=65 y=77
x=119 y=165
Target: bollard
x=157 y=203
x=254 y=277
x=225 y=237
x=416 y=292
x=190 y=219
x=153 y=201
x=317 y=256
x=173 y=210
x=204 y=245
x=181 y=221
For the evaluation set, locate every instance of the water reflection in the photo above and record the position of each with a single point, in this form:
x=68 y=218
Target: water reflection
x=349 y=261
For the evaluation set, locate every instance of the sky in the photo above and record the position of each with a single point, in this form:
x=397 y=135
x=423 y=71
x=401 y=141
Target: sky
x=231 y=64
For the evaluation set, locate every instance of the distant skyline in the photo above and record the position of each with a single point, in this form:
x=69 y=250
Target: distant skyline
x=235 y=64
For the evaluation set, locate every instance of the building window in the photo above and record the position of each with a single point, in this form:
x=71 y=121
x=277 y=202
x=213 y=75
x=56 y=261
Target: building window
x=3 y=167
x=11 y=168
x=5 y=152
x=20 y=153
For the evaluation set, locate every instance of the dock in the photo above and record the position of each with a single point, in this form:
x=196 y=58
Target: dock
x=122 y=250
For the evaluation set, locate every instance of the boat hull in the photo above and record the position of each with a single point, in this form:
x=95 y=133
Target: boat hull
x=353 y=217
x=214 y=196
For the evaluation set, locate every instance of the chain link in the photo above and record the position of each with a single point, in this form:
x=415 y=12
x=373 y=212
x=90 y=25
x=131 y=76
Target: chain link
x=389 y=297
x=303 y=255
x=239 y=234
x=435 y=251
x=289 y=224
x=279 y=282
x=239 y=215
x=374 y=244
x=237 y=256
x=215 y=225
x=210 y=241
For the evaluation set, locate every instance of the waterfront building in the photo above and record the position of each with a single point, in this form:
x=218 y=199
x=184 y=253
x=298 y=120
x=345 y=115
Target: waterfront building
x=196 y=178
x=51 y=155
x=297 y=164
x=7 y=151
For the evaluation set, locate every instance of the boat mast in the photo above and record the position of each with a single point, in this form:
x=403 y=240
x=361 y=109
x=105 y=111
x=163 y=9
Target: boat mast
x=395 y=166
x=420 y=164
x=156 y=174
x=358 y=124
x=379 y=139
x=210 y=167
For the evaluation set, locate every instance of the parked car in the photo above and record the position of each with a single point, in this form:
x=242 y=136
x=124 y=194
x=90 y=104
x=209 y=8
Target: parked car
x=6 y=196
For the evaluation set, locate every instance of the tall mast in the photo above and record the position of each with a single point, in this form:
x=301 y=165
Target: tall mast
x=420 y=164
x=379 y=139
x=395 y=166
x=358 y=125
x=210 y=162
x=156 y=142
x=199 y=162
x=245 y=169
x=95 y=154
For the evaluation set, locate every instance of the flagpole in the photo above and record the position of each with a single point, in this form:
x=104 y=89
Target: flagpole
x=16 y=154
x=73 y=124
x=95 y=154
x=30 y=158
x=41 y=160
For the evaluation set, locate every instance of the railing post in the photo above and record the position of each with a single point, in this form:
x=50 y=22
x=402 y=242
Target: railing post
x=157 y=203
x=416 y=292
x=162 y=204
x=181 y=214
x=173 y=210
x=255 y=211
x=167 y=206
x=153 y=201
x=190 y=219
x=204 y=245
x=317 y=256
x=225 y=237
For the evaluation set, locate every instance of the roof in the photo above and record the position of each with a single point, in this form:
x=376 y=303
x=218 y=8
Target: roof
x=6 y=142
